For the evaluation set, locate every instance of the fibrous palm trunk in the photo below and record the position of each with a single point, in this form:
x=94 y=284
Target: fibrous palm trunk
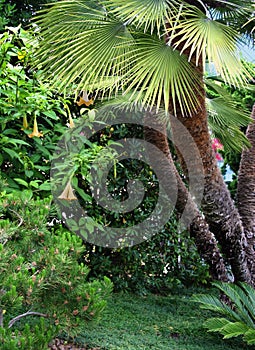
x=217 y=206
x=199 y=229
x=246 y=193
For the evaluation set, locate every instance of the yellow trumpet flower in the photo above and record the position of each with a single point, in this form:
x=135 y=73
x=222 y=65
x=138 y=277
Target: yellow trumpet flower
x=68 y=193
x=35 y=130
x=84 y=100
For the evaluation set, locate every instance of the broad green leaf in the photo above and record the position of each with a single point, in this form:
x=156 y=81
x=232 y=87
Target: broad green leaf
x=21 y=182
x=144 y=14
x=86 y=44
x=12 y=153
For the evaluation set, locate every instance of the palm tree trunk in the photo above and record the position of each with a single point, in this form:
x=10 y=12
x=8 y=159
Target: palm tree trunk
x=217 y=205
x=246 y=193
x=199 y=229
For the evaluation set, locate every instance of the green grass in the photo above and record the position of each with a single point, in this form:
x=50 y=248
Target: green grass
x=172 y=322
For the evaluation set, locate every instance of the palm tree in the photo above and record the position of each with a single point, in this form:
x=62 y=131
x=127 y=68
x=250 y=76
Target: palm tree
x=157 y=51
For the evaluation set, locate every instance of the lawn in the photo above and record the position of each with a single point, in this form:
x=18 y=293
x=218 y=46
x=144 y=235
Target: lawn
x=170 y=322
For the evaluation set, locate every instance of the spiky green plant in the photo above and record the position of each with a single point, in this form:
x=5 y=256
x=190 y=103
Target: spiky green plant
x=239 y=316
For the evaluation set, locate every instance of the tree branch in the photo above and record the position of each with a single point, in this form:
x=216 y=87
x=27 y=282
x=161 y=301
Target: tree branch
x=1 y=318
x=29 y=313
x=20 y=218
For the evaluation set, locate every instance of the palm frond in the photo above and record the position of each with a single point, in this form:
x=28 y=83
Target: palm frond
x=225 y=327
x=225 y=120
x=211 y=40
x=81 y=45
x=234 y=9
x=238 y=14
x=249 y=336
x=146 y=14
x=241 y=321
x=243 y=302
x=211 y=302
x=159 y=72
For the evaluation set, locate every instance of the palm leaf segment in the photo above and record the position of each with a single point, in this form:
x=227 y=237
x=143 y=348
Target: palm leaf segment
x=225 y=118
x=102 y=45
x=237 y=320
x=213 y=41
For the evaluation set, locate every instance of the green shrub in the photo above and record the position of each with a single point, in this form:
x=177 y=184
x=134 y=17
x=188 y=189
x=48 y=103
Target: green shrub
x=40 y=273
x=27 y=105
x=164 y=262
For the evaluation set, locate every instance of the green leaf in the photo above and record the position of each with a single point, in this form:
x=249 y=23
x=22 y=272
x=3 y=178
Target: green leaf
x=234 y=329
x=144 y=14
x=104 y=58
x=46 y=186
x=26 y=195
x=160 y=72
x=216 y=42
x=249 y=336
x=51 y=114
x=12 y=154
x=34 y=184
x=18 y=141
x=216 y=324
x=21 y=182
x=29 y=173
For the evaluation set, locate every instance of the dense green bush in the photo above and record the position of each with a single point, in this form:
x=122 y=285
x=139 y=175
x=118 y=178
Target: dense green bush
x=40 y=273
x=166 y=260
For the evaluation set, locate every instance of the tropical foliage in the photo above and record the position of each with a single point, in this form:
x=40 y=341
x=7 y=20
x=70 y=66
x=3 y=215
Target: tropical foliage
x=77 y=57
x=238 y=313
x=128 y=60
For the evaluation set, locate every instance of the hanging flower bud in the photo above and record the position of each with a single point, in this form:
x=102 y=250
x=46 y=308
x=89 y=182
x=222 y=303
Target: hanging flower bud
x=71 y=122
x=35 y=130
x=68 y=193
x=25 y=123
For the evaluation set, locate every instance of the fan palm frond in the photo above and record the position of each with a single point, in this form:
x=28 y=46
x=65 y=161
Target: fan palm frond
x=226 y=120
x=238 y=14
x=159 y=72
x=82 y=45
x=234 y=10
x=146 y=14
x=211 y=40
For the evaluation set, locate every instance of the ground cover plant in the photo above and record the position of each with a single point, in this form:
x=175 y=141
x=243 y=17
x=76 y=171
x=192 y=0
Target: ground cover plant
x=173 y=322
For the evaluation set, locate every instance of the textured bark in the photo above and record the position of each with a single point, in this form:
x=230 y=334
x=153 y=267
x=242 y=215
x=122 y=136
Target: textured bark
x=246 y=193
x=217 y=206
x=199 y=229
